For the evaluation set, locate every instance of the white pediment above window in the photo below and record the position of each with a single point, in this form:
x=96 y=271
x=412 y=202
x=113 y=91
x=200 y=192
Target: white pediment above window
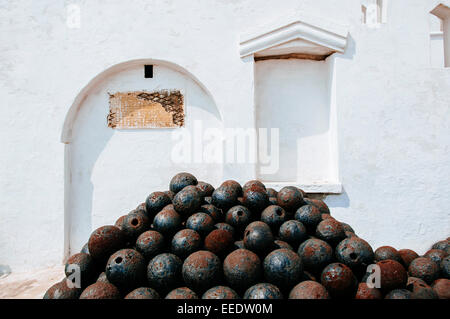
x=297 y=35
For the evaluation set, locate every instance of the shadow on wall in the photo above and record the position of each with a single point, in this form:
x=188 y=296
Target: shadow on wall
x=81 y=156
x=341 y=200
x=4 y=270
x=350 y=50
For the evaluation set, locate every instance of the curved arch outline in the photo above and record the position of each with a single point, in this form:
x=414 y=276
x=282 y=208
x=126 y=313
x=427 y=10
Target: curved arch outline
x=66 y=135
x=72 y=113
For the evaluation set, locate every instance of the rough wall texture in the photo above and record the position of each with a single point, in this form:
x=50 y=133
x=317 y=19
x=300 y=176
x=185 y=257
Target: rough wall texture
x=393 y=108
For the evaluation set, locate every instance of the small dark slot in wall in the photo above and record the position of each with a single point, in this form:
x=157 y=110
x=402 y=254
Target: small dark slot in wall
x=148 y=71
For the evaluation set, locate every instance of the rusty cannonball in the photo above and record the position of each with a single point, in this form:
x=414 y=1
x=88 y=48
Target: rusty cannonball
x=202 y=270
x=326 y=216
x=290 y=198
x=347 y=227
x=200 y=222
x=102 y=277
x=387 y=252
x=181 y=293
x=205 y=189
x=424 y=293
x=442 y=288
x=126 y=269
x=349 y=234
x=181 y=180
x=443 y=245
x=392 y=275
x=185 y=242
x=220 y=292
x=445 y=267
x=271 y=192
x=213 y=211
x=226 y=227
x=263 y=291
x=355 y=253
x=436 y=255
x=309 y=216
x=101 y=290
x=256 y=198
x=420 y=289
x=273 y=216
x=414 y=281
x=85 y=249
x=187 y=201
x=320 y=204
x=234 y=186
x=365 y=292
x=303 y=192
x=150 y=244
x=242 y=269
x=252 y=183
x=119 y=222
x=86 y=266
x=279 y=244
x=155 y=202
x=339 y=280
x=134 y=224
x=143 y=293
x=141 y=206
x=293 y=232
x=407 y=255
x=104 y=241
x=224 y=197
x=139 y=211
x=309 y=290
x=238 y=217
x=239 y=244
x=331 y=231
x=164 y=272
x=273 y=201
x=283 y=268
x=425 y=269
x=308 y=276
x=167 y=221
x=398 y=294
x=315 y=254
x=170 y=194
x=258 y=237
x=61 y=290
x=219 y=242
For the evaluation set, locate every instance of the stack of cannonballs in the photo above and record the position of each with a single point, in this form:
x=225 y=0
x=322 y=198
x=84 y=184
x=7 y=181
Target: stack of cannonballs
x=249 y=242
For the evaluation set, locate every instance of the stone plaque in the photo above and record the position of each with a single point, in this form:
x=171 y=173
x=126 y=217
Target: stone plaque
x=140 y=109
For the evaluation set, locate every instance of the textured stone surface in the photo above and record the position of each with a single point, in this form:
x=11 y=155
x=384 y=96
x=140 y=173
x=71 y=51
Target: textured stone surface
x=379 y=151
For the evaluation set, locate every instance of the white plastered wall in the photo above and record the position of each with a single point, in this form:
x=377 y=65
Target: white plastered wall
x=392 y=108
x=294 y=95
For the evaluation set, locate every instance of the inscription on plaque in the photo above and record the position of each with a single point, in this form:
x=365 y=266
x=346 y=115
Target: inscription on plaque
x=141 y=109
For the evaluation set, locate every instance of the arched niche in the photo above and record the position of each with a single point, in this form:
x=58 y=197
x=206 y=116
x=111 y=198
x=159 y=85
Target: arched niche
x=108 y=172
